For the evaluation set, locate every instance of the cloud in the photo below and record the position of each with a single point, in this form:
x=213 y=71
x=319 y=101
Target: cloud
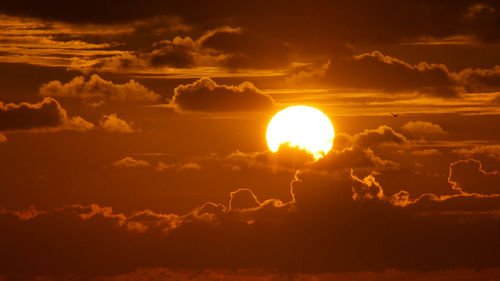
x=492 y=151
x=366 y=188
x=47 y=115
x=343 y=217
x=243 y=198
x=375 y=71
x=217 y=50
x=353 y=157
x=3 y=138
x=111 y=123
x=244 y=49
x=178 y=166
x=34 y=41
x=257 y=274
x=207 y=96
x=177 y=53
x=128 y=162
x=480 y=80
x=426 y=152
x=383 y=135
x=468 y=176
x=328 y=19
x=356 y=151
x=378 y=72
x=97 y=90
x=422 y=128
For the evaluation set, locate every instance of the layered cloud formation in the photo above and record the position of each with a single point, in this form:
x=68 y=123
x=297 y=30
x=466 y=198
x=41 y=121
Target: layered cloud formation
x=133 y=140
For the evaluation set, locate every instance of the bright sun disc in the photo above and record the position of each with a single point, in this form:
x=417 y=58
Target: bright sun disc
x=301 y=126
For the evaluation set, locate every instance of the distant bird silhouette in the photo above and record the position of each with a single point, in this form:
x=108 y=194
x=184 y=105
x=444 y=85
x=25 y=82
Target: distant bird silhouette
x=394 y=114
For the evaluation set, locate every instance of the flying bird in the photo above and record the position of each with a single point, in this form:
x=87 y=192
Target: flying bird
x=394 y=114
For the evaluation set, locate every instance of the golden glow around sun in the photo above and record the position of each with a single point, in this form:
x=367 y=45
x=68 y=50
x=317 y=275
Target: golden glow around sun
x=301 y=126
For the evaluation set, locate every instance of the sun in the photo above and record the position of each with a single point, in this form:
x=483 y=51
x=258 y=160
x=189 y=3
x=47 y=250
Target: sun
x=301 y=126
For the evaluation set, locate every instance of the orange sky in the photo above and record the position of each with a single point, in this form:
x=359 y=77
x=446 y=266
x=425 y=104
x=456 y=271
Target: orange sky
x=133 y=140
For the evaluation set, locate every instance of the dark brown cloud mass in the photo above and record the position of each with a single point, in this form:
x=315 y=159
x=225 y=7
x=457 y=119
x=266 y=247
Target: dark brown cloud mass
x=45 y=115
x=207 y=96
x=468 y=176
x=350 y=21
x=342 y=219
x=223 y=47
x=376 y=71
x=480 y=80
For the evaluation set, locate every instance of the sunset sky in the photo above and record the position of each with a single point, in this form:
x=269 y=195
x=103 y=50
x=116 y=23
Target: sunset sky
x=133 y=140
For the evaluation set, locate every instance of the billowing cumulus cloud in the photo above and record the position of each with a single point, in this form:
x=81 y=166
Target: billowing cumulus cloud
x=379 y=72
x=113 y=124
x=97 y=90
x=348 y=151
x=422 y=128
x=47 y=115
x=128 y=162
x=383 y=135
x=468 y=176
x=243 y=198
x=480 y=80
x=376 y=71
x=207 y=96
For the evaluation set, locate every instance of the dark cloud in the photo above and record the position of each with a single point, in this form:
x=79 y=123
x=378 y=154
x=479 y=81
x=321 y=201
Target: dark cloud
x=173 y=54
x=245 y=49
x=97 y=90
x=375 y=71
x=207 y=96
x=382 y=135
x=165 y=274
x=45 y=115
x=180 y=52
x=480 y=80
x=354 y=21
x=347 y=152
x=342 y=217
x=225 y=47
x=468 y=176
x=243 y=198
x=285 y=158
x=379 y=72
x=353 y=157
